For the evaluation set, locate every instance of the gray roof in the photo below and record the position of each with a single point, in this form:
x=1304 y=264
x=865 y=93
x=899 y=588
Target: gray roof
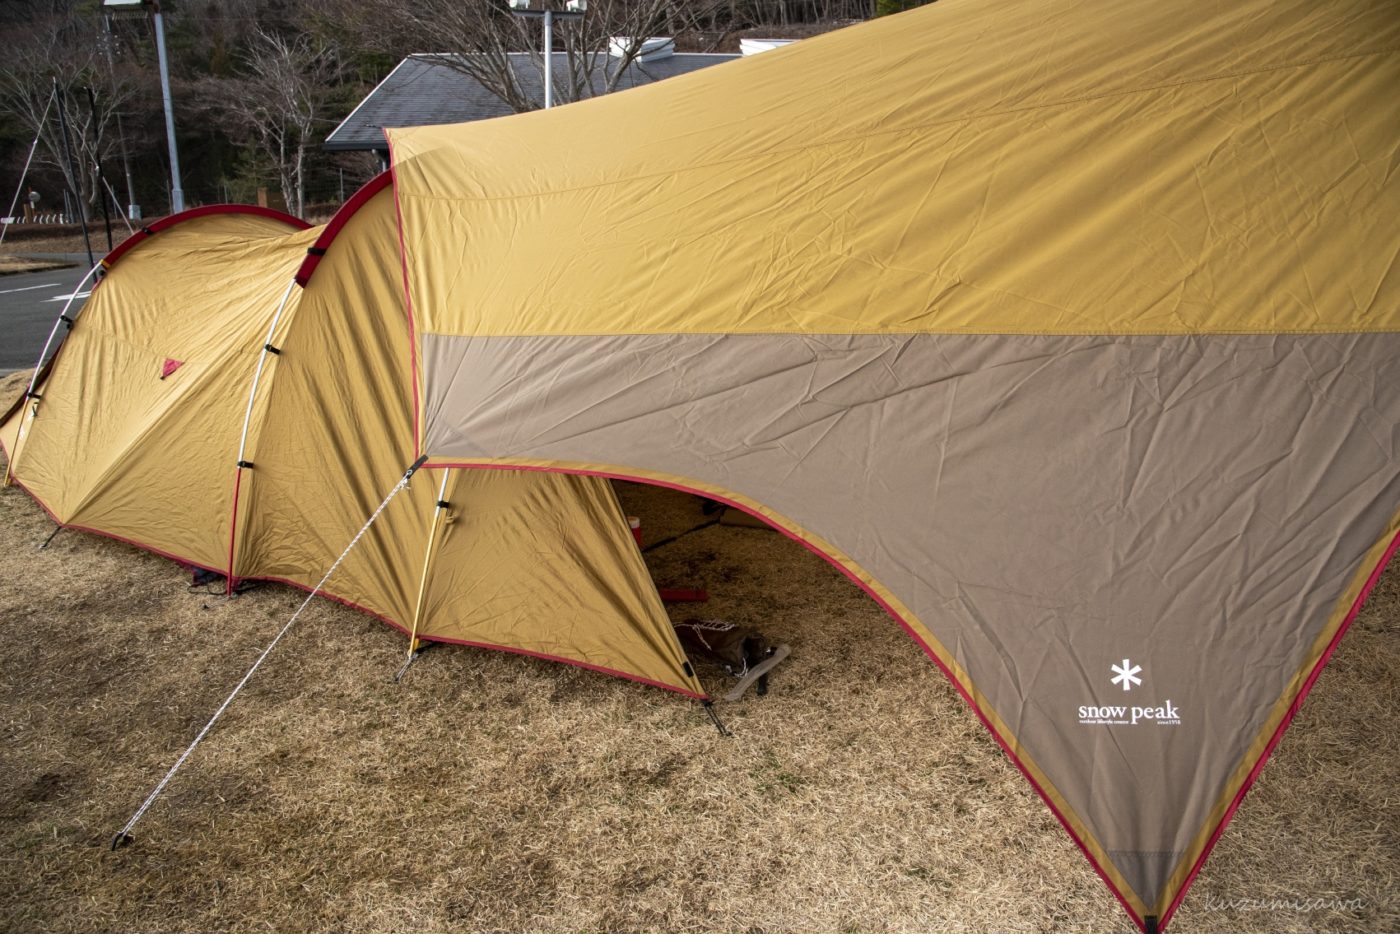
x=422 y=90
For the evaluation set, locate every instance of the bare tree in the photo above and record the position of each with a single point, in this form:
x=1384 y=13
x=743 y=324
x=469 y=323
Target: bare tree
x=59 y=53
x=279 y=104
x=478 y=38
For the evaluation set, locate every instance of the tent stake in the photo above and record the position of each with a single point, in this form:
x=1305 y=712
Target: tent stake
x=50 y=538
x=123 y=836
x=412 y=657
x=709 y=706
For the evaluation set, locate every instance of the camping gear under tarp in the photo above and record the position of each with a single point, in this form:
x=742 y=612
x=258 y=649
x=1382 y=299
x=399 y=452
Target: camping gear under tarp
x=138 y=430
x=1068 y=331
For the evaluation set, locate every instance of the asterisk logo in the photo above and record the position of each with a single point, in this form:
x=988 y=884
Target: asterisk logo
x=1126 y=674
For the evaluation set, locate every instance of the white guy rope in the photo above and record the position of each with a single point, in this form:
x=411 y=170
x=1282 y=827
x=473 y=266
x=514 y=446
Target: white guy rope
x=25 y=173
x=121 y=211
x=123 y=834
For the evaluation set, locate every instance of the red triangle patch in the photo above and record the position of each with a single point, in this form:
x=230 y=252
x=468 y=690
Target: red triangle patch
x=170 y=366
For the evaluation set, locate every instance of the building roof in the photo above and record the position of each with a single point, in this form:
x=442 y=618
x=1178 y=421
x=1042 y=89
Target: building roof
x=423 y=90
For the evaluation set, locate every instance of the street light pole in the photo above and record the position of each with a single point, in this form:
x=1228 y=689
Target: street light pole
x=573 y=9
x=548 y=58
x=177 y=192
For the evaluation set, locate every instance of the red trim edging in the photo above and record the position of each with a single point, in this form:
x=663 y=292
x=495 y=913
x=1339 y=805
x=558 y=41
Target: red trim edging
x=904 y=624
x=363 y=609
x=1284 y=724
x=165 y=223
x=233 y=526
x=337 y=222
x=487 y=645
x=407 y=299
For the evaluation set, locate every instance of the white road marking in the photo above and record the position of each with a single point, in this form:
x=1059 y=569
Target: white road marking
x=28 y=288
x=64 y=298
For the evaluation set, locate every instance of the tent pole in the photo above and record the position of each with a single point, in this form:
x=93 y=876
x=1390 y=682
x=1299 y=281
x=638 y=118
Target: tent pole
x=427 y=560
x=247 y=421
x=29 y=393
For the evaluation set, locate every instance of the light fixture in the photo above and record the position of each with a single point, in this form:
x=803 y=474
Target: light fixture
x=573 y=9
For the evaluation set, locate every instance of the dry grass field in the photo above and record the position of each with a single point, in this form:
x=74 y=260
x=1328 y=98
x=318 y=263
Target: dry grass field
x=12 y=265
x=490 y=792
x=68 y=238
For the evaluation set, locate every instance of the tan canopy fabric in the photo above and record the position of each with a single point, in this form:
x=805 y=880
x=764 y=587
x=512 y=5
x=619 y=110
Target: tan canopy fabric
x=1071 y=332
x=124 y=444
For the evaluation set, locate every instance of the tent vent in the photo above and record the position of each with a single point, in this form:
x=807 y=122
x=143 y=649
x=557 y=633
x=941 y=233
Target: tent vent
x=652 y=50
x=754 y=46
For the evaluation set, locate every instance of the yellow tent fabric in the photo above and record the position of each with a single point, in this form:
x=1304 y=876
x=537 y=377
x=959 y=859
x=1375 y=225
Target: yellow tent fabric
x=122 y=445
x=118 y=448
x=1070 y=331
x=528 y=562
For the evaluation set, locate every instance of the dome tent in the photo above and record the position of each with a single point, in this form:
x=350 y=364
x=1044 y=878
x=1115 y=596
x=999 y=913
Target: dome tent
x=136 y=433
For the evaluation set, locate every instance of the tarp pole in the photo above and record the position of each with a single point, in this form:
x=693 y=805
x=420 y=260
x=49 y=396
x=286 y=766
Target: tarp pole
x=24 y=173
x=131 y=231
x=78 y=206
x=97 y=162
x=247 y=421
x=29 y=393
x=427 y=560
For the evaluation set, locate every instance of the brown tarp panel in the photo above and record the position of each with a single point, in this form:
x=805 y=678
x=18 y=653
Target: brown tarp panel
x=1069 y=331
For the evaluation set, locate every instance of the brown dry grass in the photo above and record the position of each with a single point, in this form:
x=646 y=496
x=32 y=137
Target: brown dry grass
x=64 y=240
x=491 y=792
x=12 y=265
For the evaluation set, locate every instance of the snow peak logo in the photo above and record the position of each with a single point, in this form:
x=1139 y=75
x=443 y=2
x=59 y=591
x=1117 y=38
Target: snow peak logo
x=1128 y=675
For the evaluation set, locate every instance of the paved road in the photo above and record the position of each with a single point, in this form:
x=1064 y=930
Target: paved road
x=29 y=304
